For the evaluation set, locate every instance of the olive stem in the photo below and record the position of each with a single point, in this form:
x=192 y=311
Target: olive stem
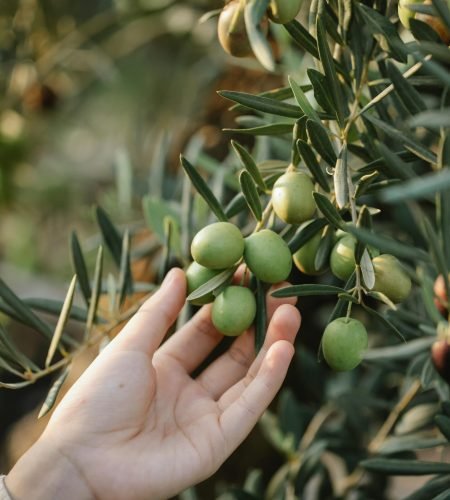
x=265 y=217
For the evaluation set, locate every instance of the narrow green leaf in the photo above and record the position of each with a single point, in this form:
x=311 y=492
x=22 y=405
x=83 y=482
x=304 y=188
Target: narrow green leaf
x=443 y=422
x=328 y=210
x=401 y=351
x=281 y=128
x=321 y=142
x=330 y=71
x=261 y=316
x=382 y=298
x=340 y=179
x=341 y=305
x=422 y=31
x=236 y=205
x=433 y=119
x=388 y=324
x=304 y=290
x=321 y=92
x=409 y=143
x=62 y=321
x=213 y=284
x=50 y=400
x=398 y=444
x=302 y=101
x=418 y=187
x=111 y=235
x=302 y=37
x=125 y=277
x=254 y=11
x=408 y=94
x=305 y=233
x=444 y=199
x=393 y=165
x=323 y=250
x=251 y=194
x=280 y=94
x=53 y=307
x=444 y=495
x=387 y=245
x=379 y=25
x=399 y=467
x=79 y=267
x=249 y=164
x=203 y=189
x=263 y=104
x=311 y=162
x=96 y=290
x=23 y=312
x=364 y=183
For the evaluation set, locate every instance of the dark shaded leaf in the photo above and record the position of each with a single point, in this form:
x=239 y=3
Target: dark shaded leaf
x=125 y=277
x=407 y=93
x=271 y=129
x=318 y=136
x=263 y=104
x=96 y=290
x=250 y=194
x=330 y=72
x=328 y=210
x=110 y=234
x=79 y=267
x=388 y=324
x=249 y=164
x=311 y=162
x=303 y=102
x=304 y=290
x=203 y=189
x=305 y=233
x=321 y=93
x=394 y=467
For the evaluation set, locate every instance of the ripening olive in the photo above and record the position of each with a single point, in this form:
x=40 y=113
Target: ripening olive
x=283 y=11
x=196 y=276
x=342 y=259
x=390 y=278
x=268 y=256
x=292 y=198
x=440 y=356
x=440 y=295
x=218 y=246
x=344 y=342
x=234 y=310
x=305 y=257
x=232 y=32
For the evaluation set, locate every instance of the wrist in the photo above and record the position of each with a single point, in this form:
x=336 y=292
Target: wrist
x=45 y=472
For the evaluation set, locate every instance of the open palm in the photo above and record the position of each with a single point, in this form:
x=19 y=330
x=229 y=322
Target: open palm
x=138 y=426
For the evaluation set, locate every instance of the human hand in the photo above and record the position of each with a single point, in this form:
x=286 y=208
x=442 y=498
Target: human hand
x=136 y=425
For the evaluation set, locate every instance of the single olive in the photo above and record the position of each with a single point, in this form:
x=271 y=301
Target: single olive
x=390 y=278
x=283 y=11
x=234 y=310
x=342 y=259
x=440 y=295
x=196 y=276
x=268 y=256
x=440 y=356
x=232 y=32
x=304 y=257
x=292 y=198
x=218 y=246
x=344 y=342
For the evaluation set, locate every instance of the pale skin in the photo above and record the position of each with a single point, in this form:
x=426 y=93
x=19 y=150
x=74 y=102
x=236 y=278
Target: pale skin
x=137 y=426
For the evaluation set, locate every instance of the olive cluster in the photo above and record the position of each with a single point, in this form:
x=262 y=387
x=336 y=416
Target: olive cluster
x=231 y=27
x=220 y=246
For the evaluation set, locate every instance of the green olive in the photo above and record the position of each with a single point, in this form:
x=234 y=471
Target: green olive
x=234 y=310
x=268 y=256
x=342 y=259
x=218 y=246
x=283 y=11
x=304 y=257
x=292 y=198
x=390 y=278
x=232 y=32
x=406 y=14
x=344 y=342
x=196 y=276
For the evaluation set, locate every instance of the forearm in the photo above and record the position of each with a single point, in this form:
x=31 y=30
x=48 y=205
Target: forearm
x=43 y=473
